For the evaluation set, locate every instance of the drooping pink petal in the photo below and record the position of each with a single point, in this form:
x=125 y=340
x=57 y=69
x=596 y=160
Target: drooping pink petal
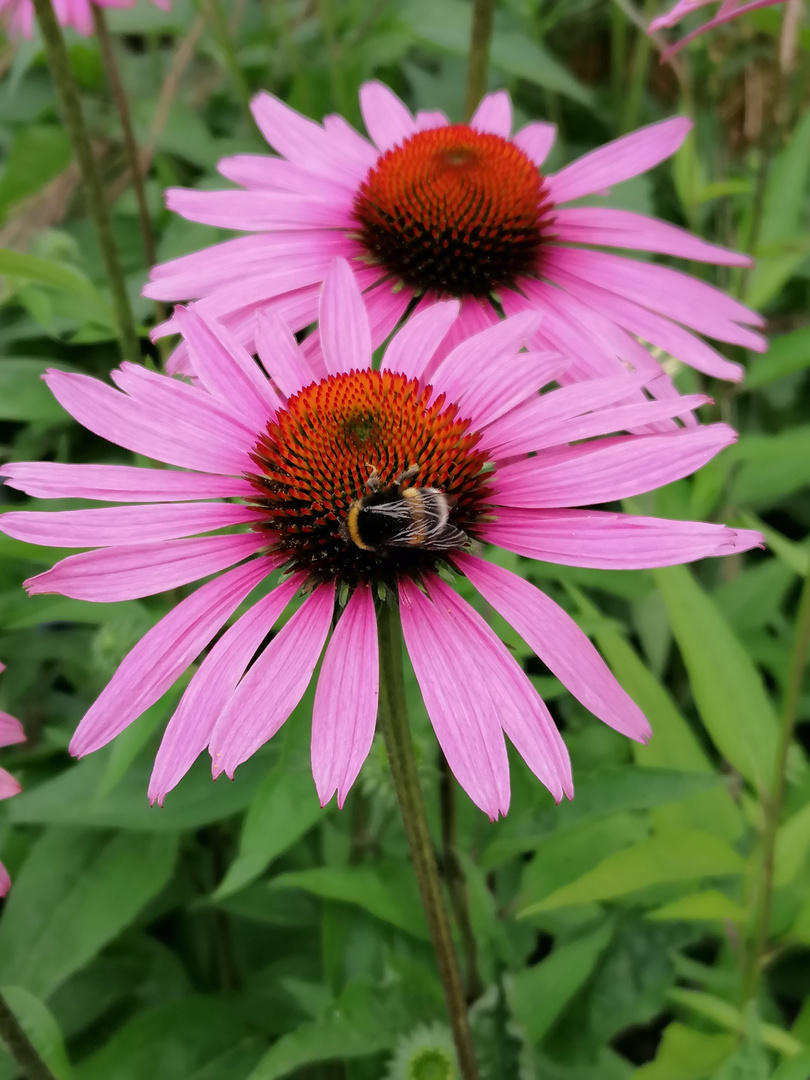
x=609 y=469
x=536 y=140
x=8 y=785
x=727 y=12
x=137 y=570
x=388 y=121
x=274 y=684
x=517 y=705
x=195 y=441
x=114 y=526
x=11 y=730
x=494 y=114
x=342 y=320
x=118 y=483
x=226 y=369
x=603 y=226
x=455 y=690
x=413 y=346
x=681 y=10
x=560 y=644
x=190 y=728
x=619 y=160
x=344 y=715
x=164 y=653
x=608 y=541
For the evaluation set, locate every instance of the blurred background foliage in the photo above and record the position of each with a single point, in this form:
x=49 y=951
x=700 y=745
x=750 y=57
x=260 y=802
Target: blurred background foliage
x=241 y=932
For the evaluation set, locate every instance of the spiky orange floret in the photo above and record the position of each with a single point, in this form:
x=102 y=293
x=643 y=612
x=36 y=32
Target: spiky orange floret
x=315 y=458
x=453 y=210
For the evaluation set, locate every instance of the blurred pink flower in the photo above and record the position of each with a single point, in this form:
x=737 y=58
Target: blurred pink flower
x=728 y=10
x=428 y=210
x=18 y=15
x=11 y=731
x=309 y=453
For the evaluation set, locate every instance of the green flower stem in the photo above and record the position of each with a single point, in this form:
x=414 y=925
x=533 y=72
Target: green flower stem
x=105 y=42
x=774 y=800
x=399 y=747
x=20 y=1046
x=68 y=94
x=480 y=41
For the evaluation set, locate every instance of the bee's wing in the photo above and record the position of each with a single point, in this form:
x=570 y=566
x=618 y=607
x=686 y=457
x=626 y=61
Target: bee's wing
x=435 y=535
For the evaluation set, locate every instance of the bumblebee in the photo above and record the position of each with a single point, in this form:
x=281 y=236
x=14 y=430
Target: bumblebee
x=401 y=516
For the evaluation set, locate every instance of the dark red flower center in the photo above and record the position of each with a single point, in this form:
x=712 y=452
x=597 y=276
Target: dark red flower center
x=454 y=211
x=315 y=462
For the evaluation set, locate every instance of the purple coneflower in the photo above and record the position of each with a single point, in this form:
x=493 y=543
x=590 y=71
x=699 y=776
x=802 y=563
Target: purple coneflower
x=11 y=731
x=429 y=210
x=18 y=15
x=365 y=486
x=728 y=10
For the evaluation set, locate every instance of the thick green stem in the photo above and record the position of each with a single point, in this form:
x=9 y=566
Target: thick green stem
x=130 y=146
x=480 y=40
x=399 y=747
x=776 y=796
x=20 y=1046
x=68 y=94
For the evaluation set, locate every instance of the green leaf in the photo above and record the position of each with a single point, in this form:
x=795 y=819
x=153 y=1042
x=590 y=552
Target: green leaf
x=38 y=153
x=792 y=846
x=23 y=394
x=77 y=891
x=387 y=892
x=357 y=1025
x=39 y=1024
x=686 y=1054
x=770 y=467
x=710 y=905
x=727 y=687
x=539 y=994
x=725 y=1015
x=797 y=1068
x=674 y=857
x=45 y=272
x=787 y=354
x=284 y=808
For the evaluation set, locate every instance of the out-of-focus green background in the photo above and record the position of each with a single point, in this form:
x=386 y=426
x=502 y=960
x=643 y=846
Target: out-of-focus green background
x=241 y=932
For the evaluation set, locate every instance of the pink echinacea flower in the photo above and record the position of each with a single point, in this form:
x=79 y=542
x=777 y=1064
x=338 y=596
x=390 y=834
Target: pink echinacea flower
x=362 y=485
x=18 y=15
x=427 y=210
x=11 y=731
x=728 y=10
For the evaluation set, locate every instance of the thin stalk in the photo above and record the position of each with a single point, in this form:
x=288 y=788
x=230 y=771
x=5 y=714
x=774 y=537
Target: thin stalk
x=773 y=802
x=618 y=56
x=480 y=41
x=454 y=875
x=399 y=747
x=638 y=72
x=20 y=1046
x=68 y=94
x=119 y=94
x=212 y=10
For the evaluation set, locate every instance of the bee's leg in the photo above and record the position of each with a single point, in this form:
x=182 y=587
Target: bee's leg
x=410 y=474
x=373 y=483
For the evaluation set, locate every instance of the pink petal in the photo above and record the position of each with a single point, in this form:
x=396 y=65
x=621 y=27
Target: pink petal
x=357 y=153
x=163 y=654
x=679 y=11
x=118 y=483
x=388 y=121
x=605 y=227
x=5 y=880
x=136 y=570
x=197 y=439
x=413 y=346
x=193 y=722
x=282 y=359
x=536 y=140
x=560 y=644
x=520 y=710
x=274 y=684
x=494 y=114
x=455 y=689
x=11 y=730
x=344 y=715
x=226 y=370
x=261 y=210
x=619 y=160
x=726 y=13
x=118 y=525
x=343 y=322
x=428 y=119
x=609 y=469
x=263 y=172
x=607 y=541
x=8 y=785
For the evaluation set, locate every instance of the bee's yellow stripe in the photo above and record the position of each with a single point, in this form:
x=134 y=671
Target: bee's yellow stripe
x=351 y=525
